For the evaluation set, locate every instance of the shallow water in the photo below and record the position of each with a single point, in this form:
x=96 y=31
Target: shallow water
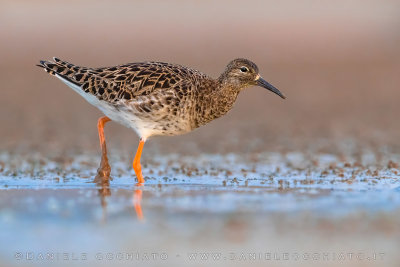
x=288 y=209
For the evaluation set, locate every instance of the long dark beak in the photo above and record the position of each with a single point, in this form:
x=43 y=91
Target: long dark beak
x=263 y=83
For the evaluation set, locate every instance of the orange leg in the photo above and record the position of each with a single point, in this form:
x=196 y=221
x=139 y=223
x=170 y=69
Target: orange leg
x=100 y=127
x=103 y=172
x=136 y=163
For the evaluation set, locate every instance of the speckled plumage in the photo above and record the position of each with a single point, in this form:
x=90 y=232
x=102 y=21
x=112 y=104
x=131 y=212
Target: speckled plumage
x=156 y=98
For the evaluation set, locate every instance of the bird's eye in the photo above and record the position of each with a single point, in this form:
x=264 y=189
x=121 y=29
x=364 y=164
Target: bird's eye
x=244 y=69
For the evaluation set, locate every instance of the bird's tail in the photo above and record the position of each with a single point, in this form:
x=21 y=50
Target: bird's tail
x=63 y=69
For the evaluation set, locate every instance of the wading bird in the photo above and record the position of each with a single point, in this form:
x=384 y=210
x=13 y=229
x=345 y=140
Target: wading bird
x=155 y=98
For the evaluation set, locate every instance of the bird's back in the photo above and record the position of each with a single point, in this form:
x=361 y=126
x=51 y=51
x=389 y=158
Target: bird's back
x=124 y=82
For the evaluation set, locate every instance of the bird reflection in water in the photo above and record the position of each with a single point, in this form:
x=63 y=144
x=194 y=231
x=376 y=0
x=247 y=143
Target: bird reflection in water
x=103 y=179
x=137 y=203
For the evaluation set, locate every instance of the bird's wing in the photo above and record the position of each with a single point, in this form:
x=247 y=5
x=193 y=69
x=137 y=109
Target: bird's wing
x=124 y=81
x=140 y=79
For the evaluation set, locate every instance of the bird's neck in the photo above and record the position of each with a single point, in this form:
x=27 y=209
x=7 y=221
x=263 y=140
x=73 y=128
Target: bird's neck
x=215 y=102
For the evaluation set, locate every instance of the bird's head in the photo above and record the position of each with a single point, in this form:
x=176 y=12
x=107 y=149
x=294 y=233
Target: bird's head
x=242 y=73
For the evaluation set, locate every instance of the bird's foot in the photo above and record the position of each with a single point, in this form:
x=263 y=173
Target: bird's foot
x=103 y=172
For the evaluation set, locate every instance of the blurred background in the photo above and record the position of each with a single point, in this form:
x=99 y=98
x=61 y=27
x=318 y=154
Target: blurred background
x=337 y=61
x=317 y=172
